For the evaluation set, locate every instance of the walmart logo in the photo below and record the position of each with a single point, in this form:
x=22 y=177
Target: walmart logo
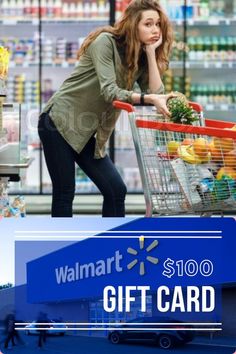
x=110 y=265
x=149 y=258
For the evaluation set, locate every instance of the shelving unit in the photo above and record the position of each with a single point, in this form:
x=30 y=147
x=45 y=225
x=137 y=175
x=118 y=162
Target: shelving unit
x=31 y=86
x=213 y=82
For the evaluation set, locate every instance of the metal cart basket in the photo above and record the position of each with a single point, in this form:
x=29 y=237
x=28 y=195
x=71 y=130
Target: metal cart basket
x=184 y=169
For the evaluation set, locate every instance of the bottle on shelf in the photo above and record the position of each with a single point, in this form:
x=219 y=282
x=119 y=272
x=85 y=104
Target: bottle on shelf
x=234 y=8
x=118 y=9
x=87 y=9
x=94 y=9
x=57 y=9
x=204 y=9
x=4 y=8
x=43 y=8
x=34 y=9
x=65 y=10
x=27 y=10
x=79 y=9
x=18 y=9
x=72 y=10
x=214 y=93
x=196 y=9
x=50 y=12
x=11 y=8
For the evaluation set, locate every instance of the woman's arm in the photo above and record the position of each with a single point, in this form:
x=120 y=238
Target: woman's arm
x=159 y=101
x=102 y=55
x=155 y=82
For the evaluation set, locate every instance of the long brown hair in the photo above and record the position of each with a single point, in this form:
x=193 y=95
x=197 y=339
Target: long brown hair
x=125 y=31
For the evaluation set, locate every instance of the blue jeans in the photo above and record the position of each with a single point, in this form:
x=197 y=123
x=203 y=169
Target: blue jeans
x=60 y=159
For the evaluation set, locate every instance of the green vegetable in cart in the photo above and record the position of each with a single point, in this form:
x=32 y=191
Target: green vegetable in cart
x=180 y=110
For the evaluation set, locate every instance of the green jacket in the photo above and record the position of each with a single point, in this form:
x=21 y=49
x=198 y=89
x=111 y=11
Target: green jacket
x=82 y=107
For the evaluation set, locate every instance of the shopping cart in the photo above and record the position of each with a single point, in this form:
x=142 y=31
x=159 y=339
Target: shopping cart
x=184 y=169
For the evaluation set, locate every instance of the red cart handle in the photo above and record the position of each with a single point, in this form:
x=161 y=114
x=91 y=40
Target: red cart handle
x=210 y=123
x=125 y=106
x=196 y=106
x=129 y=108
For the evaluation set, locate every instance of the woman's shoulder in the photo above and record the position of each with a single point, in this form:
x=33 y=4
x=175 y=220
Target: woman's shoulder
x=104 y=42
x=105 y=37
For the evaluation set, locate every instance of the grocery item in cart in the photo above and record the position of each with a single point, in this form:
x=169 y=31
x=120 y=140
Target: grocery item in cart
x=187 y=153
x=181 y=111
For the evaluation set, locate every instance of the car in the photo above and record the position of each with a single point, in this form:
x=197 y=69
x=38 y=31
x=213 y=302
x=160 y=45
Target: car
x=171 y=334
x=54 y=328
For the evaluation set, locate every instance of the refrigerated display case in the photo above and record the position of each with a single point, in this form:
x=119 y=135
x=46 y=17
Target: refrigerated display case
x=43 y=39
x=19 y=34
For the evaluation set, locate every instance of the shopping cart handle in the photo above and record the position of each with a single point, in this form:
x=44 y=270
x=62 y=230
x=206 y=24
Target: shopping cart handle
x=129 y=108
x=123 y=105
x=196 y=106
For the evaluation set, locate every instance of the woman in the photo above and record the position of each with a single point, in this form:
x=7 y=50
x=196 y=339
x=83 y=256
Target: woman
x=79 y=119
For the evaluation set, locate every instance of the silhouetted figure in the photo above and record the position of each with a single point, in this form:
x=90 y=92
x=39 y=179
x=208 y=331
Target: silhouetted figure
x=42 y=318
x=9 y=324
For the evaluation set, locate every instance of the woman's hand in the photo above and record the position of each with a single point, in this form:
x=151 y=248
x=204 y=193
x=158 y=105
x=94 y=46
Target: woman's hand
x=151 y=48
x=160 y=102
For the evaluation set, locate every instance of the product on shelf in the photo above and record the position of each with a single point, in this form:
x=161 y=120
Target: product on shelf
x=47 y=90
x=14 y=209
x=178 y=48
x=26 y=50
x=4 y=199
x=199 y=9
x=211 y=48
x=55 y=9
x=4 y=62
x=214 y=93
x=21 y=90
x=120 y=7
x=176 y=83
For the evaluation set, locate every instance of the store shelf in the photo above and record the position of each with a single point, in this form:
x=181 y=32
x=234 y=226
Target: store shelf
x=212 y=22
x=204 y=65
x=61 y=21
x=207 y=22
x=220 y=107
x=211 y=65
x=15 y=22
x=26 y=64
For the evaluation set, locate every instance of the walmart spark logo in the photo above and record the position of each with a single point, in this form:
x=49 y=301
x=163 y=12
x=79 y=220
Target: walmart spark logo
x=134 y=252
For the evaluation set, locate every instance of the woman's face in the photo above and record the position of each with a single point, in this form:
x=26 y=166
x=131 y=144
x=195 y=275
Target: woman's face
x=149 y=30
